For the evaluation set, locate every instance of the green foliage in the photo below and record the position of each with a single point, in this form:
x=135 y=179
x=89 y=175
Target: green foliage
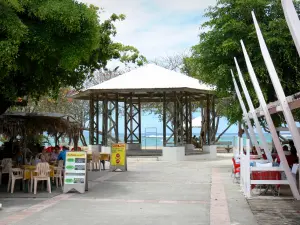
x=229 y=22
x=46 y=45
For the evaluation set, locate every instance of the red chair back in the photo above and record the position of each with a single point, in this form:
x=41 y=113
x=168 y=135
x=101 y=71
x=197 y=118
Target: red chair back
x=78 y=149
x=236 y=166
x=49 y=149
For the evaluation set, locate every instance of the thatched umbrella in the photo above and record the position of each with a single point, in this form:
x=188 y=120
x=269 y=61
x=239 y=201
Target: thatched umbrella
x=30 y=124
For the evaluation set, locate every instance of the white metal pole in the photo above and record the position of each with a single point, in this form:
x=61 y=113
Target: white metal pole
x=271 y=126
x=292 y=20
x=247 y=170
x=278 y=88
x=236 y=141
x=248 y=135
x=241 y=145
x=263 y=140
x=252 y=134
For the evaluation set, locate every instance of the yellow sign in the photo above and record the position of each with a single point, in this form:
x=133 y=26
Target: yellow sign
x=118 y=155
x=76 y=154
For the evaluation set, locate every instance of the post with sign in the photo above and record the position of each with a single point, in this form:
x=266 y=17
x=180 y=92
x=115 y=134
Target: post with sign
x=118 y=158
x=75 y=172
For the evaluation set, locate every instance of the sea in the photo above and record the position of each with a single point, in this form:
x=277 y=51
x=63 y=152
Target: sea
x=155 y=140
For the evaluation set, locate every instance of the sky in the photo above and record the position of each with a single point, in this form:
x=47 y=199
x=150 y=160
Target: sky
x=158 y=28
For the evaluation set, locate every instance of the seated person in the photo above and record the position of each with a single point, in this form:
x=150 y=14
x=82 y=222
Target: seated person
x=254 y=152
x=289 y=157
x=55 y=153
x=19 y=158
x=286 y=150
x=44 y=156
x=62 y=155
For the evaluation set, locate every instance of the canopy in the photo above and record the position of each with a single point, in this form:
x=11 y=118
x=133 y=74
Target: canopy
x=150 y=81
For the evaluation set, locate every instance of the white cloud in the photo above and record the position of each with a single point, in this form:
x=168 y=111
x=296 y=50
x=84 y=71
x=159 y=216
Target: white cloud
x=159 y=27
x=187 y=5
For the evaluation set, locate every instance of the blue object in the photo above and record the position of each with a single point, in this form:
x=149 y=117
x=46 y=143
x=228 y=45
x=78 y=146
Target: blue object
x=62 y=156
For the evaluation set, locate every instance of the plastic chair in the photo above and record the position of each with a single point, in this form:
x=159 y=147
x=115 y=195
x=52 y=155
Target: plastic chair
x=61 y=163
x=58 y=176
x=42 y=174
x=95 y=163
x=236 y=169
x=14 y=174
x=4 y=167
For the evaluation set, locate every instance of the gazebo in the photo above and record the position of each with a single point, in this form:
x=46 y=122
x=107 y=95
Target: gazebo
x=146 y=84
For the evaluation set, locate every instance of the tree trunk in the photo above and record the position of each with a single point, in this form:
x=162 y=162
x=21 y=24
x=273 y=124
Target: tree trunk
x=214 y=130
x=268 y=131
x=224 y=131
x=82 y=138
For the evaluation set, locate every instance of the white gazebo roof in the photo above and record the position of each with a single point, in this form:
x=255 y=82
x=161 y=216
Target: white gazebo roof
x=151 y=76
x=147 y=79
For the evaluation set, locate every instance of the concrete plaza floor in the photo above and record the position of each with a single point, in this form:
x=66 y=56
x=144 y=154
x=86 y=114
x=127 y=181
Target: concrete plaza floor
x=151 y=192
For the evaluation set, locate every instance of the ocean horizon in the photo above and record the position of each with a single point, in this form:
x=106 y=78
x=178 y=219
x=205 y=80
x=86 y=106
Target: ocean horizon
x=153 y=139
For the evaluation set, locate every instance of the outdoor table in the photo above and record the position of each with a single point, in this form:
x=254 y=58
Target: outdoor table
x=103 y=156
x=29 y=170
x=267 y=175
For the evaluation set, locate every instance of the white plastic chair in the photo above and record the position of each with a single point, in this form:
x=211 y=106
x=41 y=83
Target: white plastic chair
x=4 y=167
x=58 y=176
x=42 y=173
x=61 y=163
x=15 y=174
x=95 y=163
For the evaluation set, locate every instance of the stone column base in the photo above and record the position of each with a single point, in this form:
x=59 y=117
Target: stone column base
x=211 y=149
x=173 y=154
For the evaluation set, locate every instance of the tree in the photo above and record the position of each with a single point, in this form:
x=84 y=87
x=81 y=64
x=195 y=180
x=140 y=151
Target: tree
x=229 y=22
x=46 y=45
x=64 y=104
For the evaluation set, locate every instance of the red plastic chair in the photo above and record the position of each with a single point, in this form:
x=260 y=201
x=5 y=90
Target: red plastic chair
x=49 y=149
x=236 y=169
x=78 y=149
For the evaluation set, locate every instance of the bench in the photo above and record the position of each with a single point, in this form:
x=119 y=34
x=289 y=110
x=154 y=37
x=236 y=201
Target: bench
x=228 y=145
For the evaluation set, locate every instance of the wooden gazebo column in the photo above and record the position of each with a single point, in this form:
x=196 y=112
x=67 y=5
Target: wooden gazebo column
x=171 y=116
x=104 y=122
x=110 y=120
x=133 y=132
x=177 y=119
x=94 y=120
x=208 y=119
x=188 y=132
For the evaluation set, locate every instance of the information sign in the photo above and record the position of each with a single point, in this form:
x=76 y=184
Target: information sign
x=75 y=171
x=118 y=159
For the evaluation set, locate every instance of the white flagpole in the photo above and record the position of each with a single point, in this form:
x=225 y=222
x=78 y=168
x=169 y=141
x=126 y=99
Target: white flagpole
x=271 y=126
x=246 y=116
x=278 y=88
x=293 y=22
x=264 y=143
